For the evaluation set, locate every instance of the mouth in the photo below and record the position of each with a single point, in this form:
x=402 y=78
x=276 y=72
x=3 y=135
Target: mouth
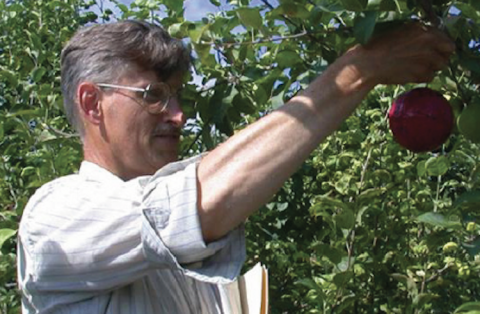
x=172 y=138
x=167 y=134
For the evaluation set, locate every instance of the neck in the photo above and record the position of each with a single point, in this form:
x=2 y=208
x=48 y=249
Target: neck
x=98 y=154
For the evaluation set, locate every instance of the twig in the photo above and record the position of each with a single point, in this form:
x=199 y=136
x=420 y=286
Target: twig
x=259 y=41
x=438 y=273
x=60 y=133
x=197 y=137
x=430 y=14
x=459 y=87
x=364 y=169
x=290 y=21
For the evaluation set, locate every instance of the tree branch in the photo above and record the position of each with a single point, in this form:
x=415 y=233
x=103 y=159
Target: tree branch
x=60 y=133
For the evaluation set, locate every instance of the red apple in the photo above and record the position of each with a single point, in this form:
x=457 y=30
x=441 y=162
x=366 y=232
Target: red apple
x=421 y=120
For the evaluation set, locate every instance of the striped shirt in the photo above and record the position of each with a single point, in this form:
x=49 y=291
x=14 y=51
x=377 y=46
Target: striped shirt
x=92 y=243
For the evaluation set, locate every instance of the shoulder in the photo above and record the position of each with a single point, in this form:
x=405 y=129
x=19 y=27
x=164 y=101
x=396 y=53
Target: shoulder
x=47 y=192
x=62 y=183
x=46 y=199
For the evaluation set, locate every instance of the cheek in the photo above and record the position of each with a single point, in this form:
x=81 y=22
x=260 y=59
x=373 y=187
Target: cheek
x=139 y=130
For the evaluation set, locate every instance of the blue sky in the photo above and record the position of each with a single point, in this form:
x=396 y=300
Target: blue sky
x=197 y=9
x=194 y=9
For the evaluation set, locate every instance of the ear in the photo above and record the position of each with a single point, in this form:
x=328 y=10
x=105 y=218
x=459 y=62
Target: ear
x=89 y=96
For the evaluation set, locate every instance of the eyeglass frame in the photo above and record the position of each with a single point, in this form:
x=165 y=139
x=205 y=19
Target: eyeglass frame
x=145 y=91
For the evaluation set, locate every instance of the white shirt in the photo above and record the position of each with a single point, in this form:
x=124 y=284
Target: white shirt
x=91 y=243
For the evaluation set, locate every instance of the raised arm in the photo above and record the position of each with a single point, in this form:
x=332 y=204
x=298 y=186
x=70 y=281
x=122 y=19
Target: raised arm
x=241 y=175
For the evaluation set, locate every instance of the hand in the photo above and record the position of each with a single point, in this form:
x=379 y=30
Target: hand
x=412 y=54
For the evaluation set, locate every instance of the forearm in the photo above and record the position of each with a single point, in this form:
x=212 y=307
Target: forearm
x=242 y=174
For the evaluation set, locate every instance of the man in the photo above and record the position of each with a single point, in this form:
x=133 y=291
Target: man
x=137 y=232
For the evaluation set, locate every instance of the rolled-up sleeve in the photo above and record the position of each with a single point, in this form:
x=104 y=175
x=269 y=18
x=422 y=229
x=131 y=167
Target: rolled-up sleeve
x=171 y=212
x=92 y=231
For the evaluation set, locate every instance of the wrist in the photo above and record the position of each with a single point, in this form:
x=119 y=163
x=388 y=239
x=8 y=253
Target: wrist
x=353 y=72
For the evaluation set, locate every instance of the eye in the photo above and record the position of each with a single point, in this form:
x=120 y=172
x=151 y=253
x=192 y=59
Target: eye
x=157 y=92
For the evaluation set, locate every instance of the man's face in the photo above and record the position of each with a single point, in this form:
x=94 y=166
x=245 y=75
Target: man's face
x=140 y=142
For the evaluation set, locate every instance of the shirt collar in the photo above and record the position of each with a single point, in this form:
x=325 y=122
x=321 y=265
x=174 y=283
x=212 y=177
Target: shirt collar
x=94 y=172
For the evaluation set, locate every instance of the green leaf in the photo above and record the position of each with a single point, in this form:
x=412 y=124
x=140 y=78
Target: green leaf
x=250 y=17
x=203 y=52
x=277 y=101
x=346 y=263
x=472 y=247
x=215 y=3
x=468 y=307
x=122 y=7
x=330 y=6
x=9 y=76
x=423 y=298
x=221 y=108
x=6 y=234
x=467 y=10
x=27 y=171
x=455 y=25
x=334 y=255
x=364 y=26
x=345 y=219
x=207 y=138
x=343 y=184
x=374 y=4
x=322 y=203
x=197 y=32
x=288 y=58
x=475 y=4
x=437 y=166
x=46 y=136
x=174 y=5
x=370 y=195
x=292 y=9
x=407 y=281
x=309 y=283
x=38 y=73
x=354 y=5
x=178 y=30
x=244 y=104
x=468 y=198
x=312 y=285
x=36 y=41
x=225 y=126
x=439 y=220
x=382 y=175
x=360 y=213
x=421 y=170
x=341 y=279
x=469 y=62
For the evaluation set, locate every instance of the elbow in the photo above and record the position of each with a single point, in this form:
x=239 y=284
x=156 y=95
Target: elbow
x=213 y=222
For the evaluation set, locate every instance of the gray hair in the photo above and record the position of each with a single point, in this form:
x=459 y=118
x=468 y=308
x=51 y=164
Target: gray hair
x=103 y=52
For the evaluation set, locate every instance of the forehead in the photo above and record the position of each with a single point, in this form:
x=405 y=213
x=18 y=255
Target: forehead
x=133 y=76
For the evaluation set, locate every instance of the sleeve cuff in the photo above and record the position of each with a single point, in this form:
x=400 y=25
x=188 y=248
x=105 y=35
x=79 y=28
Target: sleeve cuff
x=171 y=209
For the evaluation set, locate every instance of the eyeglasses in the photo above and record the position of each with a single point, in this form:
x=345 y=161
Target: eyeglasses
x=155 y=97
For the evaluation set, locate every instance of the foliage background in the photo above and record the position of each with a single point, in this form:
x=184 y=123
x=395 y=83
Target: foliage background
x=363 y=227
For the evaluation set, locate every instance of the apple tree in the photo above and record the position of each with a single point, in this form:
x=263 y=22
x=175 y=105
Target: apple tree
x=364 y=226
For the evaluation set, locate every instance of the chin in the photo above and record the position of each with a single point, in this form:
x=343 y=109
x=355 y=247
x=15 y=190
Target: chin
x=165 y=160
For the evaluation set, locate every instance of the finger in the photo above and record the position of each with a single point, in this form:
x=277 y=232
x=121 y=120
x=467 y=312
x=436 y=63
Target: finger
x=446 y=46
x=441 y=41
x=438 y=61
x=422 y=74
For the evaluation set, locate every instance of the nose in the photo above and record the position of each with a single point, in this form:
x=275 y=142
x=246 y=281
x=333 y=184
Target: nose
x=174 y=113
